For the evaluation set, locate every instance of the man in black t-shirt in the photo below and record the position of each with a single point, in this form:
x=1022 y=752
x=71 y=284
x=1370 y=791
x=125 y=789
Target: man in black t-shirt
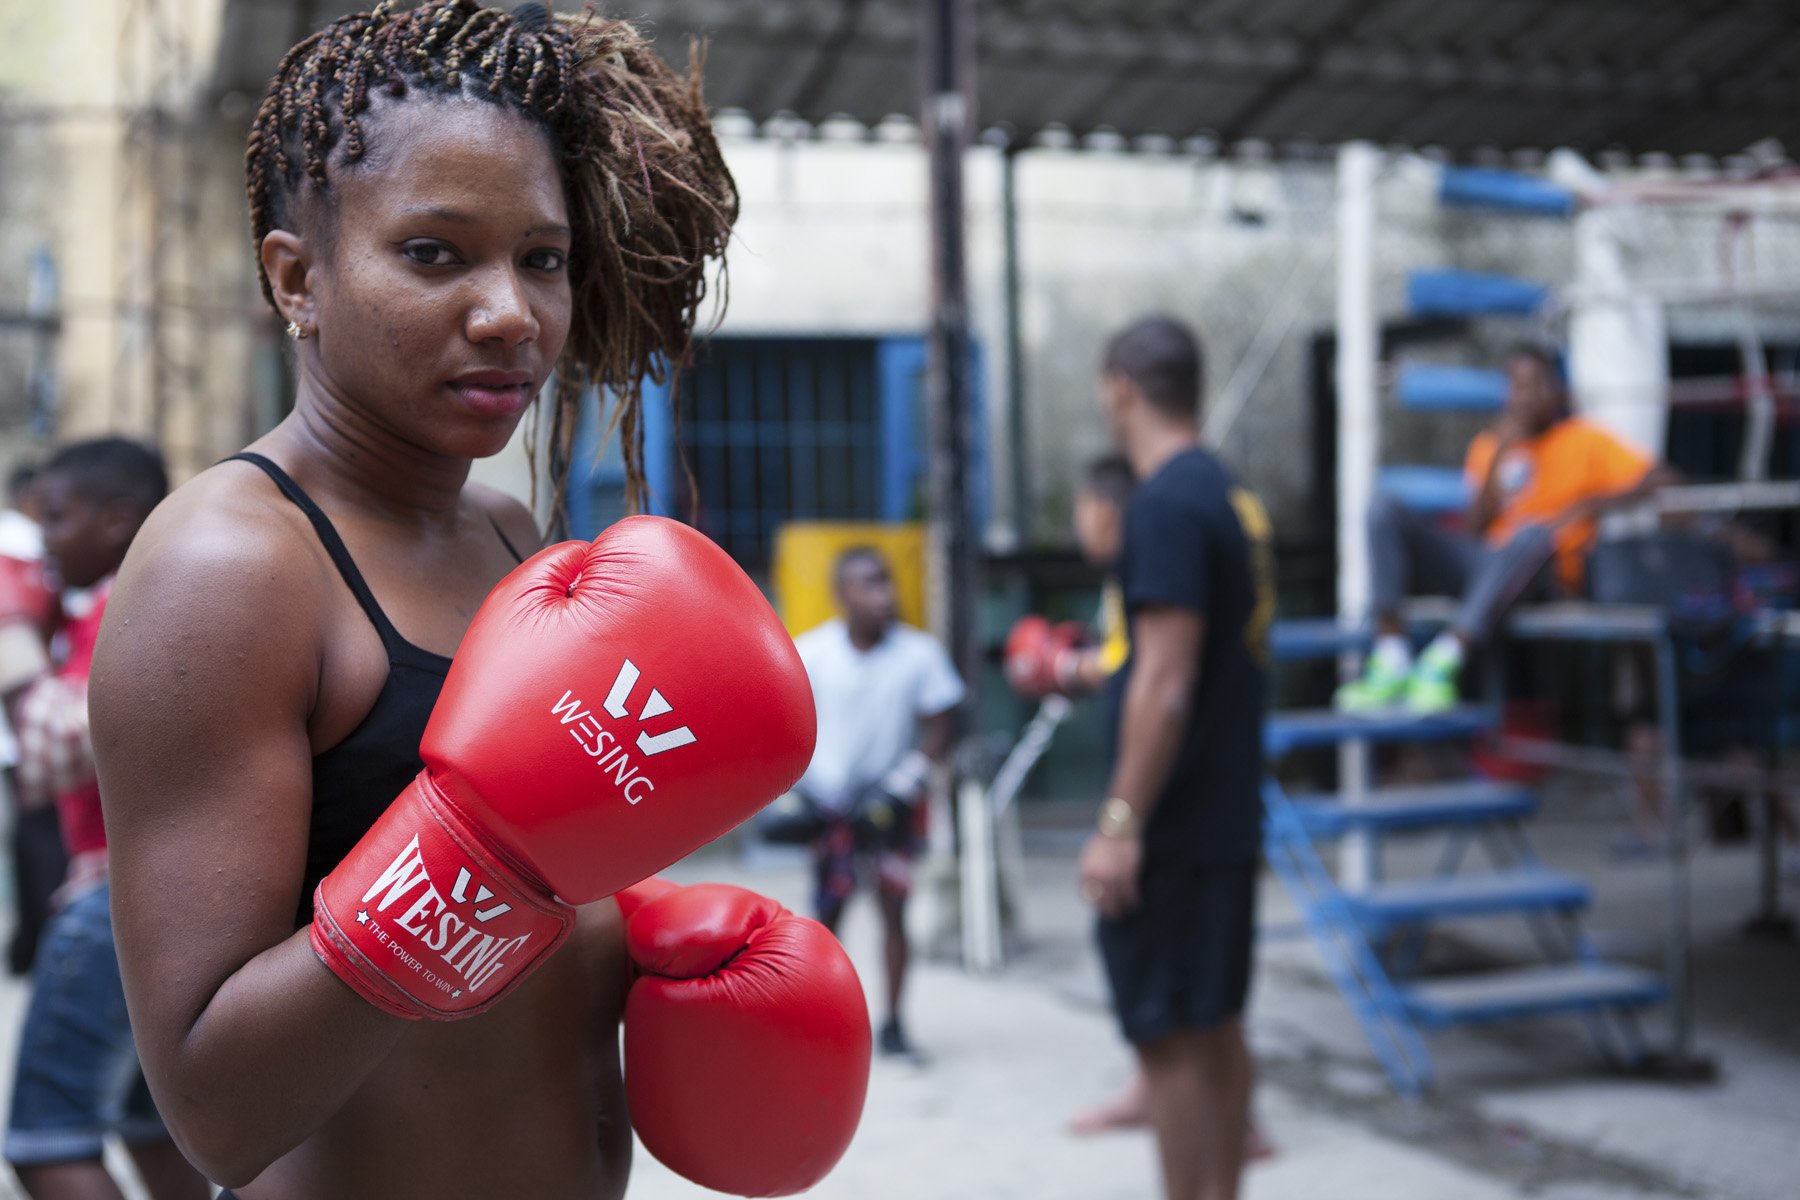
x=1172 y=866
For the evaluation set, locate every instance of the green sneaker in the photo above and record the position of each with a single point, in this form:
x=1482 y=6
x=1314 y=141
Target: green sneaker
x=1431 y=688
x=1381 y=686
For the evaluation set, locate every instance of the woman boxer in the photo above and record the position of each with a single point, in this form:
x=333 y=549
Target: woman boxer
x=449 y=203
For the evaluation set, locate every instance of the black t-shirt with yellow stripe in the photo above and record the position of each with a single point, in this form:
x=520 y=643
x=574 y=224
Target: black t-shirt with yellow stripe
x=1196 y=540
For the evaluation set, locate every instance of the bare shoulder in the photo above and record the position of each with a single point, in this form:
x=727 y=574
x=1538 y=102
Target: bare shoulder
x=224 y=535
x=224 y=562
x=513 y=518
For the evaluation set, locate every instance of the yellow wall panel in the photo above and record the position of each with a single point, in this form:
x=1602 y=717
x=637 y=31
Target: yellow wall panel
x=806 y=550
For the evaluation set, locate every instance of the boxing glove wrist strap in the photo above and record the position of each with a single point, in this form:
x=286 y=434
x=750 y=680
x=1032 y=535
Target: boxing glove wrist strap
x=422 y=919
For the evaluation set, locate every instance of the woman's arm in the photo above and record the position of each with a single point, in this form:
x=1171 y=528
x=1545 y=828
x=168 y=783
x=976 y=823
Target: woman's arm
x=207 y=671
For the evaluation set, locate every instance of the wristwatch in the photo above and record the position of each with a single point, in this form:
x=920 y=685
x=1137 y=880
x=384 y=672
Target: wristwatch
x=1118 y=819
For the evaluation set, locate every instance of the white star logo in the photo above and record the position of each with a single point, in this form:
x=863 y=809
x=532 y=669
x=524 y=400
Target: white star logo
x=362 y=916
x=456 y=994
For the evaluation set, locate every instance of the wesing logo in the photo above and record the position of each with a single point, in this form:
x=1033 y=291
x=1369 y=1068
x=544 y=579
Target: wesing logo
x=655 y=706
x=472 y=955
x=608 y=749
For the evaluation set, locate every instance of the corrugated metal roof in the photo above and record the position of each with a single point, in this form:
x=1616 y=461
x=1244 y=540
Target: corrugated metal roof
x=1676 y=76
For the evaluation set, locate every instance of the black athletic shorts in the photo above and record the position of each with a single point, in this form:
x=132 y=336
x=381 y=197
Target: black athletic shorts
x=1181 y=959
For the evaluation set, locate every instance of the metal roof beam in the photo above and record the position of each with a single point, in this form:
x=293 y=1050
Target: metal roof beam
x=807 y=88
x=1312 y=55
x=1711 y=99
x=1698 y=73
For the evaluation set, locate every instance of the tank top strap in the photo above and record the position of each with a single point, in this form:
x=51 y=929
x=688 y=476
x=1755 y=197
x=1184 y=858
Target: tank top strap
x=396 y=645
x=506 y=541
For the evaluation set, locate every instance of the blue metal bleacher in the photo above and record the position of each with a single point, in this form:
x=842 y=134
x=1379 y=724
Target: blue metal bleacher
x=1434 y=387
x=1476 y=894
x=1372 y=930
x=1497 y=190
x=1318 y=637
x=1453 y=293
x=1420 y=806
x=1303 y=729
x=1371 y=937
x=1433 y=490
x=1580 y=987
x=1312 y=638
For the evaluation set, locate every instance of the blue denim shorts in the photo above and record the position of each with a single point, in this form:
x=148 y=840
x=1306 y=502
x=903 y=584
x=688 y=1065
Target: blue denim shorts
x=77 y=1077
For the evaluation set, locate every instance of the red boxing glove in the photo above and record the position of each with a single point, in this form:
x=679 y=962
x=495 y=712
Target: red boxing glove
x=641 y=893
x=746 y=1041
x=614 y=706
x=1042 y=658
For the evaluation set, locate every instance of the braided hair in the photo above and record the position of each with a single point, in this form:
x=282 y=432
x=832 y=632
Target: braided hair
x=650 y=199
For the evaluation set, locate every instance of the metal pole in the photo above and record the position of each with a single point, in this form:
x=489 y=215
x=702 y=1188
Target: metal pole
x=1015 y=348
x=1358 y=348
x=1769 y=922
x=1679 y=1061
x=1675 y=836
x=947 y=118
x=41 y=304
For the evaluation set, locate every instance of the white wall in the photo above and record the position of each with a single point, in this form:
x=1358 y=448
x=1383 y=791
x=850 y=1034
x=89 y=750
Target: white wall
x=833 y=239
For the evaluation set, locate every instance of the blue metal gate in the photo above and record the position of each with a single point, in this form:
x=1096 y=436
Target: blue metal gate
x=778 y=429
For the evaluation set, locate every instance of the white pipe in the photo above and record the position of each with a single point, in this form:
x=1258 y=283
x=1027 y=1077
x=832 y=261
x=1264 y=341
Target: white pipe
x=1277 y=322
x=1759 y=403
x=1728 y=497
x=980 y=896
x=1033 y=741
x=1358 y=373
x=1358 y=445
x=1770 y=291
x=1618 y=331
x=1759 y=399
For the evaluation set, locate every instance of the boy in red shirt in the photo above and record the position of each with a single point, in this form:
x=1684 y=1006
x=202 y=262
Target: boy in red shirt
x=77 y=1077
x=1540 y=478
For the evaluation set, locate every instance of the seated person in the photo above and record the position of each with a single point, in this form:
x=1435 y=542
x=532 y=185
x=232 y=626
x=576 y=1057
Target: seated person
x=77 y=1083
x=1541 y=477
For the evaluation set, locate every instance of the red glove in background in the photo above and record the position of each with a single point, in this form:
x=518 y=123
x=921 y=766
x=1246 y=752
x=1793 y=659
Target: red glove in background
x=1041 y=658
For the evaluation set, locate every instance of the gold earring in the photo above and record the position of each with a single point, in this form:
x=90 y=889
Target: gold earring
x=296 y=331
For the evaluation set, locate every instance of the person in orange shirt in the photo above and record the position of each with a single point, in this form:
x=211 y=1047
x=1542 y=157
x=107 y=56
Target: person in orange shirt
x=1540 y=478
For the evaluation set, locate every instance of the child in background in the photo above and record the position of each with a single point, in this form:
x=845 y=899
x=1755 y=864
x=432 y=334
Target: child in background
x=28 y=617
x=1042 y=658
x=77 y=1078
x=1099 y=532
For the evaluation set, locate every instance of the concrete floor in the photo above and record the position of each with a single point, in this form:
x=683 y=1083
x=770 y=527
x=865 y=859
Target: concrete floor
x=1519 y=1111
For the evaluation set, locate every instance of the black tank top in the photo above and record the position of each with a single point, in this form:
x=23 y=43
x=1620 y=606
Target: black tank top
x=355 y=780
